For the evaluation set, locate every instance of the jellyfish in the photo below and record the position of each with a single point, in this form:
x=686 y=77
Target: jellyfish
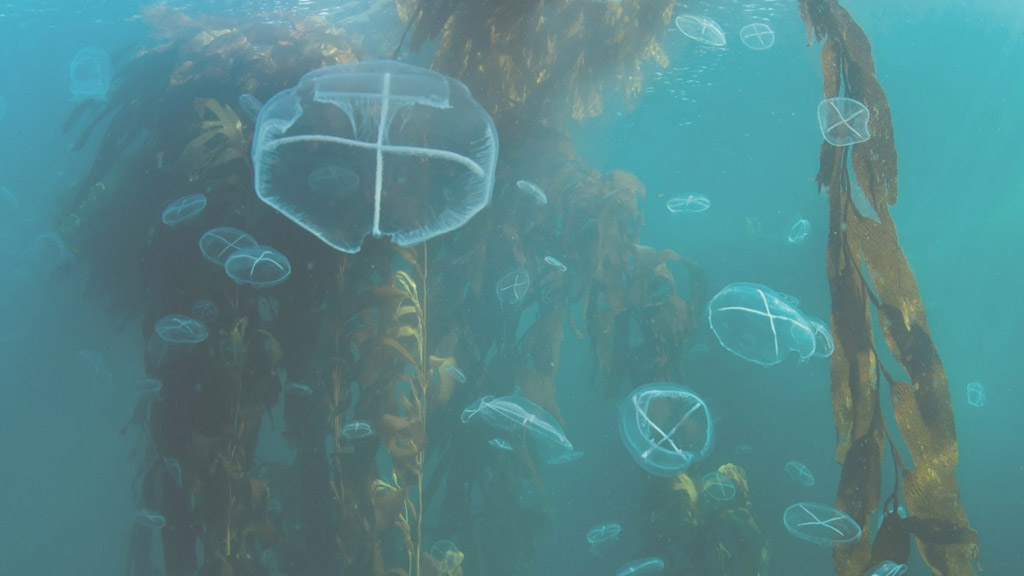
x=821 y=524
x=665 y=427
x=757 y=36
x=843 y=121
x=91 y=72
x=701 y=29
x=381 y=149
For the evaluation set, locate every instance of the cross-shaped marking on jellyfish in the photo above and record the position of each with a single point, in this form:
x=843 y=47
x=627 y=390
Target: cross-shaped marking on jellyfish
x=664 y=437
x=261 y=258
x=767 y=313
x=229 y=245
x=845 y=121
x=818 y=522
x=757 y=32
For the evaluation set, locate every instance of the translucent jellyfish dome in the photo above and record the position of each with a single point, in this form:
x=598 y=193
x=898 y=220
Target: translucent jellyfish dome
x=821 y=524
x=173 y=336
x=183 y=209
x=258 y=266
x=219 y=244
x=702 y=29
x=521 y=418
x=665 y=427
x=375 y=149
x=91 y=72
x=843 y=121
x=763 y=326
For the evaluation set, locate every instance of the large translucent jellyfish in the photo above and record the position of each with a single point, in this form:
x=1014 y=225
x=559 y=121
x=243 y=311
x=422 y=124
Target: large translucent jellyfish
x=642 y=567
x=799 y=472
x=757 y=36
x=173 y=336
x=665 y=427
x=511 y=288
x=183 y=209
x=760 y=325
x=523 y=419
x=701 y=29
x=843 y=121
x=412 y=153
x=887 y=568
x=219 y=244
x=205 y=311
x=976 y=395
x=91 y=72
x=258 y=266
x=718 y=487
x=821 y=524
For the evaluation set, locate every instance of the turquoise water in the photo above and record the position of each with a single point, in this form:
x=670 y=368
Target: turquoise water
x=735 y=125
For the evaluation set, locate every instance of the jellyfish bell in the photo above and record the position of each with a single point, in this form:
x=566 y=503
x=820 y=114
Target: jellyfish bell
x=381 y=149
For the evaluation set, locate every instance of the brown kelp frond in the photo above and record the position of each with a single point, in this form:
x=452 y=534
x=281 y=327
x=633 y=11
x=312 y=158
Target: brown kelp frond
x=220 y=139
x=543 y=60
x=922 y=407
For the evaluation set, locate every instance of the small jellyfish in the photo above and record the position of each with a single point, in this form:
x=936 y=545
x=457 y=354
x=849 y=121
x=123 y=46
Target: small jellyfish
x=694 y=203
x=91 y=72
x=447 y=556
x=501 y=444
x=556 y=263
x=173 y=336
x=642 y=567
x=565 y=458
x=701 y=29
x=183 y=209
x=799 y=472
x=250 y=106
x=821 y=524
x=512 y=287
x=356 y=430
x=976 y=394
x=258 y=266
x=453 y=371
x=757 y=36
x=798 y=231
x=219 y=244
x=297 y=389
x=843 y=121
x=534 y=191
x=149 y=518
x=205 y=311
x=718 y=486
x=603 y=533
x=148 y=386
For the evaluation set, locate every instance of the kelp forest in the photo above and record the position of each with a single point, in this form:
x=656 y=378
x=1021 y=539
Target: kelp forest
x=403 y=338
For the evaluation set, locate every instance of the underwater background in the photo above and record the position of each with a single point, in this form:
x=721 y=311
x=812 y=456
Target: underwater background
x=733 y=124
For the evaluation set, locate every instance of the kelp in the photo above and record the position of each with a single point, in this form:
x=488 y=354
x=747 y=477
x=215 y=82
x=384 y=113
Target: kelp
x=542 y=60
x=353 y=339
x=697 y=534
x=871 y=280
